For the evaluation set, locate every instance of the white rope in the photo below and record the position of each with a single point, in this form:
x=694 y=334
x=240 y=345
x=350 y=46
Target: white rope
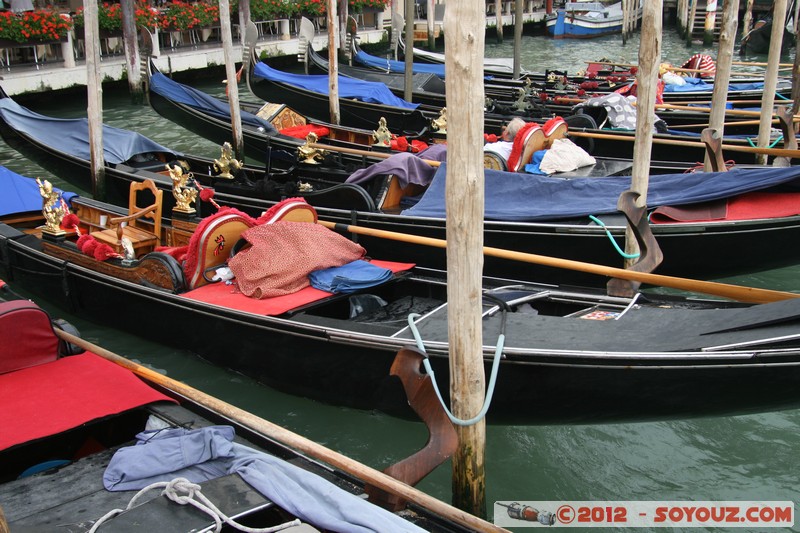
x=183 y=492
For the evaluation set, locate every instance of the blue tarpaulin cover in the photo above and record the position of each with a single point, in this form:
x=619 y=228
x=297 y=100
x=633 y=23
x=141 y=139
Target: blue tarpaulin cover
x=697 y=84
x=365 y=91
x=526 y=197
x=21 y=194
x=71 y=135
x=172 y=90
x=207 y=453
x=390 y=65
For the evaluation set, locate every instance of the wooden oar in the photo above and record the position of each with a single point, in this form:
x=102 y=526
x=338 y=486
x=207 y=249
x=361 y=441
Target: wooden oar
x=674 y=105
x=739 y=112
x=707 y=71
x=365 y=153
x=283 y=435
x=735 y=102
x=734 y=123
x=777 y=152
x=743 y=63
x=758 y=64
x=734 y=292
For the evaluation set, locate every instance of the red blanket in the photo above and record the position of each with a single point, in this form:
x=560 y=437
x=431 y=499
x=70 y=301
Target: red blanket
x=748 y=206
x=229 y=296
x=48 y=399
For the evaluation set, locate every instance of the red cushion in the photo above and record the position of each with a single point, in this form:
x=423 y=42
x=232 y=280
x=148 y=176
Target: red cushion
x=301 y=131
x=39 y=345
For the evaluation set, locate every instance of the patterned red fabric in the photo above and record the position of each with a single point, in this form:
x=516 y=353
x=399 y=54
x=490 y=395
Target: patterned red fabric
x=701 y=62
x=283 y=254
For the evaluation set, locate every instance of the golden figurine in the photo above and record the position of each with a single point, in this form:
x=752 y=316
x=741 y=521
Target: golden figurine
x=226 y=162
x=382 y=136
x=53 y=208
x=440 y=123
x=522 y=103
x=309 y=154
x=184 y=196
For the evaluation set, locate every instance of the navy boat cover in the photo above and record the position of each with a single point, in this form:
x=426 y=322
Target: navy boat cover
x=177 y=92
x=391 y=65
x=527 y=197
x=21 y=194
x=698 y=84
x=365 y=91
x=71 y=135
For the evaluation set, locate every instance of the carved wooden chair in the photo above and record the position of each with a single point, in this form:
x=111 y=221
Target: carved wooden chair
x=143 y=239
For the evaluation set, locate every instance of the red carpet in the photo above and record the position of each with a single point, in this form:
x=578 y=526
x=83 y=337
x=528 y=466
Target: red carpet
x=748 y=206
x=47 y=399
x=229 y=296
x=763 y=205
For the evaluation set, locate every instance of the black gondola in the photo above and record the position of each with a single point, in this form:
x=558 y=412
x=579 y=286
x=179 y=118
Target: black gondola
x=694 y=244
x=576 y=354
x=88 y=436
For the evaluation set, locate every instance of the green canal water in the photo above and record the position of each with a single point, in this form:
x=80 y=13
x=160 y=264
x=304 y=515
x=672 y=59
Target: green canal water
x=746 y=457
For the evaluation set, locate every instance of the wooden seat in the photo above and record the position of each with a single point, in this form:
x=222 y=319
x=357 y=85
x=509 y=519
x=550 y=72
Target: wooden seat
x=144 y=240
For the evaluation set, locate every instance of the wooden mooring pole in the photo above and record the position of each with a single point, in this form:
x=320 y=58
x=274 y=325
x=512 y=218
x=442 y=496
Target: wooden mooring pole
x=771 y=76
x=408 y=86
x=94 y=109
x=517 y=39
x=498 y=17
x=747 y=22
x=230 y=74
x=690 y=25
x=710 y=22
x=647 y=79
x=727 y=38
x=464 y=44
x=130 y=36
x=333 y=64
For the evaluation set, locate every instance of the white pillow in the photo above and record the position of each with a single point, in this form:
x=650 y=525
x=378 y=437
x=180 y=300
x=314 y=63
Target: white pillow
x=563 y=156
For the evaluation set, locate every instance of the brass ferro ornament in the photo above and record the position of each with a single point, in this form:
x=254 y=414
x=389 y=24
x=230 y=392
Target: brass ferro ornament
x=53 y=208
x=382 y=136
x=184 y=196
x=226 y=162
x=309 y=154
x=439 y=124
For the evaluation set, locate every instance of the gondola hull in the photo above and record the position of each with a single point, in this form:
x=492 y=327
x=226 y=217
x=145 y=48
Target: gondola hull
x=118 y=435
x=709 y=248
x=315 y=353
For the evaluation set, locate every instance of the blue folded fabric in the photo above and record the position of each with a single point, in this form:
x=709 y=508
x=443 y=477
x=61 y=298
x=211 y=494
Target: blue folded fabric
x=536 y=160
x=349 y=278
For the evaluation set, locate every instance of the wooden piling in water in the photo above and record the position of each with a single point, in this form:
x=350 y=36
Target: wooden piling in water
x=231 y=75
x=719 y=96
x=771 y=77
x=464 y=45
x=647 y=80
x=94 y=107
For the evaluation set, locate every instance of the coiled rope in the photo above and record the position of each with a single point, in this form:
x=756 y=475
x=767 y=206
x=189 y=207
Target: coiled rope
x=492 y=377
x=182 y=491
